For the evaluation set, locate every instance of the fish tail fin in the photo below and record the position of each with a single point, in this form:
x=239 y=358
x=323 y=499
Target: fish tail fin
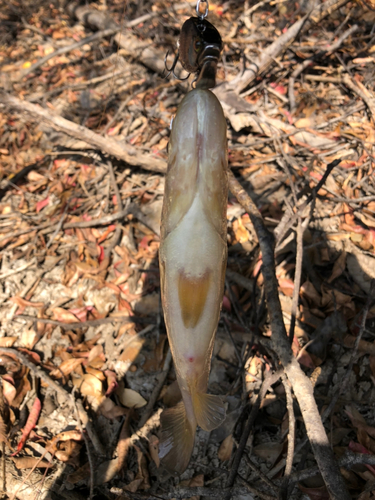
x=177 y=439
x=209 y=410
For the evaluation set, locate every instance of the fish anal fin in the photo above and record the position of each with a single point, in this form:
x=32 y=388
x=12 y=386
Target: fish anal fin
x=177 y=439
x=209 y=411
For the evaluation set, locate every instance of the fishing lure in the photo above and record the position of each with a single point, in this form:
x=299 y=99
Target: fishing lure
x=192 y=257
x=199 y=50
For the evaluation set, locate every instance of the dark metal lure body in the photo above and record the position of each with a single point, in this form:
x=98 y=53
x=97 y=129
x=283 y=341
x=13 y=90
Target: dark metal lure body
x=200 y=48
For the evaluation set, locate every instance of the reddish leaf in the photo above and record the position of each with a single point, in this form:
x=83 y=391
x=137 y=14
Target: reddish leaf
x=101 y=253
x=30 y=424
x=111 y=382
x=41 y=204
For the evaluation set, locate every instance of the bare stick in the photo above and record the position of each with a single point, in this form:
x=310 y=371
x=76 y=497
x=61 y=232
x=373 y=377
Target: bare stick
x=11 y=272
x=63 y=50
x=89 y=322
x=61 y=391
x=302 y=387
x=156 y=391
x=276 y=48
x=245 y=434
x=345 y=380
x=363 y=93
x=84 y=437
x=297 y=279
x=124 y=152
x=262 y=476
x=116 y=237
x=348 y=460
x=291 y=439
x=287 y=221
x=182 y=493
x=253 y=490
x=107 y=219
x=308 y=62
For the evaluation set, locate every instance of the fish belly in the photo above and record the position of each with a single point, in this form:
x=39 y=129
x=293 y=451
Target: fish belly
x=192 y=256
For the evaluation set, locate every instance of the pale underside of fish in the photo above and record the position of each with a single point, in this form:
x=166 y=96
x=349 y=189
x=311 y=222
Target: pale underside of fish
x=193 y=255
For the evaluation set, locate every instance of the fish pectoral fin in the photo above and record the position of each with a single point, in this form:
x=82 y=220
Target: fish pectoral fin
x=177 y=439
x=209 y=411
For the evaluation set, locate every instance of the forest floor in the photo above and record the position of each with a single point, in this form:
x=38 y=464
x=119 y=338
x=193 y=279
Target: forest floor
x=84 y=357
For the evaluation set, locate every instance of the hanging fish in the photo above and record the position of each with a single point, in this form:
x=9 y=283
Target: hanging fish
x=193 y=255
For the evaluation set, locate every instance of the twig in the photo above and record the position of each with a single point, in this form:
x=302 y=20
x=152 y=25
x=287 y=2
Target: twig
x=287 y=221
x=61 y=391
x=270 y=53
x=308 y=62
x=38 y=372
x=120 y=207
x=30 y=286
x=89 y=454
x=271 y=379
x=124 y=152
x=291 y=440
x=181 y=493
x=63 y=50
x=300 y=383
x=58 y=225
x=156 y=391
x=246 y=283
x=297 y=279
x=261 y=474
x=12 y=272
x=89 y=322
x=152 y=422
x=254 y=491
x=355 y=348
x=349 y=460
x=363 y=93
x=102 y=221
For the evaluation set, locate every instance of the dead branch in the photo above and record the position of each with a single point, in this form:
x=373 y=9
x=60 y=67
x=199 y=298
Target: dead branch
x=126 y=153
x=348 y=461
x=359 y=89
x=256 y=492
x=288 y=220
x=308 y=62
x=63 y=394
x=87 y=444
x=261 y=475
x=64 y=50
x=245 y=434
x=301 y=385
x=280 y=45
x=89 y=322
x=156 y=391
x=181 y=493
x=291 y=439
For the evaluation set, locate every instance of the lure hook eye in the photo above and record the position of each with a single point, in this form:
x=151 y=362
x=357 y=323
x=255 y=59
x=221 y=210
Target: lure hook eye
x=172 y=68
x=198 y=9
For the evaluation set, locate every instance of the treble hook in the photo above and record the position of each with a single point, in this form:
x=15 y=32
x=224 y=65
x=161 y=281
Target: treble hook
x=172 y=68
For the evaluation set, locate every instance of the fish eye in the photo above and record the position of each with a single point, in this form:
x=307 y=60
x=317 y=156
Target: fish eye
x=197 y=45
